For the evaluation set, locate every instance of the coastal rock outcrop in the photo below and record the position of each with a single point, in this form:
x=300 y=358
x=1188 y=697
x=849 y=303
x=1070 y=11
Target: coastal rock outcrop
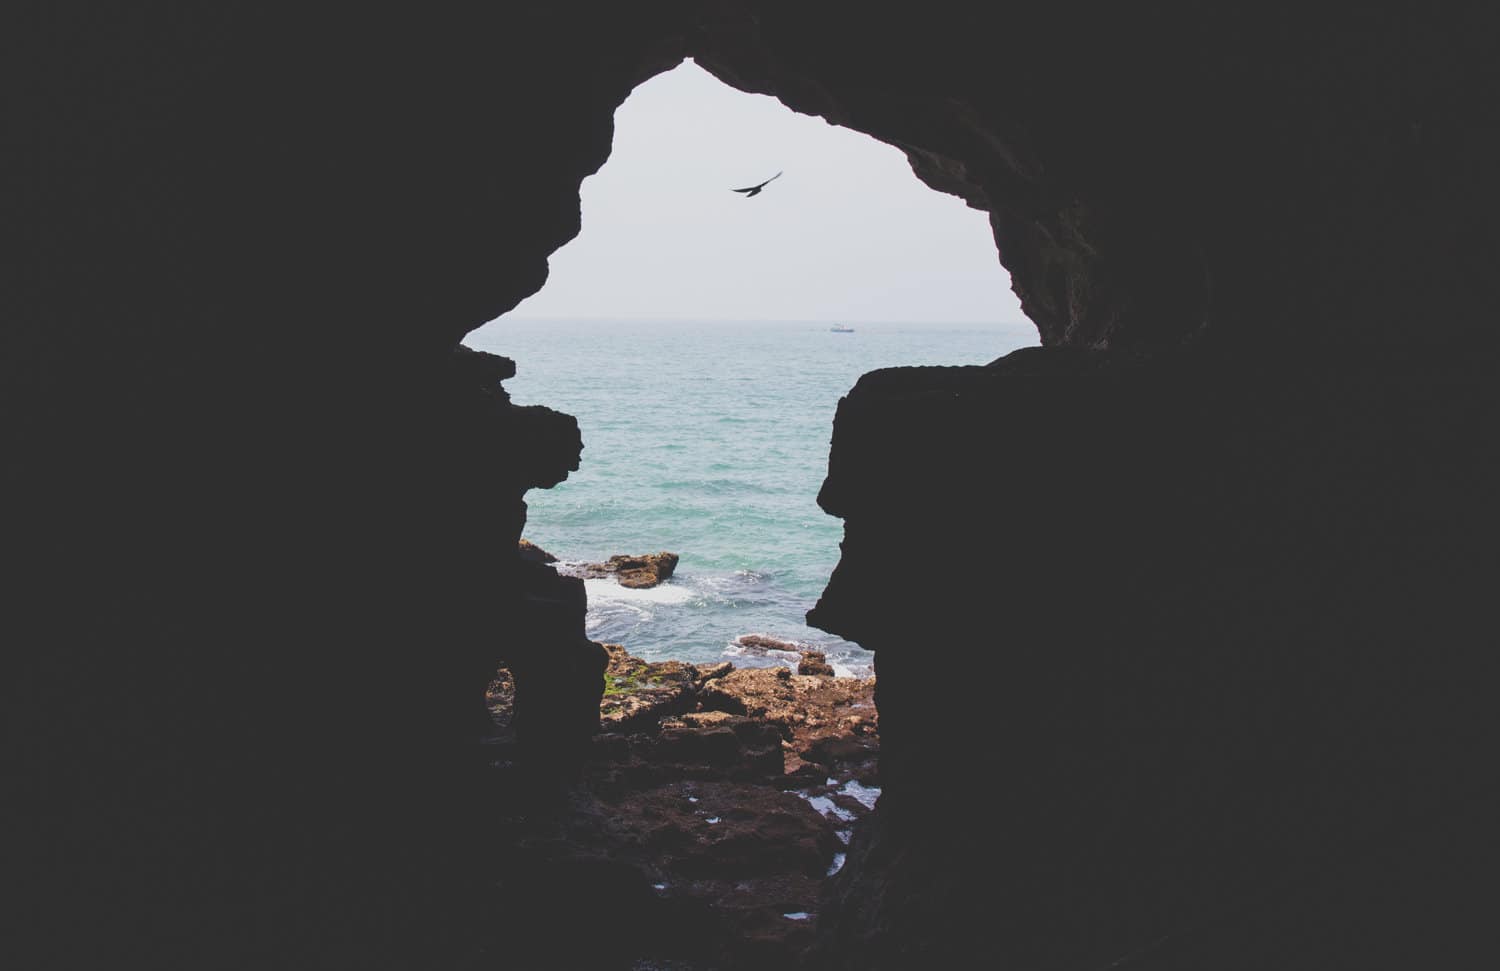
x=799 y=703
x=639 y=694
x=763 y=648
x=640 y=572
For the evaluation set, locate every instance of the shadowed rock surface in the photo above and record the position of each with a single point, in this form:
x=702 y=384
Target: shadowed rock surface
x=1219 y=555
x=703 y=834
x=532 y=553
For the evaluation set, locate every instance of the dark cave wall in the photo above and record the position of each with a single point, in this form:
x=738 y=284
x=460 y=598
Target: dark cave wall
x=267 y=515
x=1219 y=544
x=1228 y=657
x=1220 y=548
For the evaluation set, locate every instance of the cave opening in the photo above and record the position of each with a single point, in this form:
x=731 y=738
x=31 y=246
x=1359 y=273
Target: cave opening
x=1208 y=643
x=689 y=330
x=703 y=338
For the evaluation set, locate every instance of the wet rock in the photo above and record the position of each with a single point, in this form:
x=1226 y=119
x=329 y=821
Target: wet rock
x=830 y=751
x=758 y=645
x=733 y=818
x=639 y=572
x=741 y=855
x=815 y=663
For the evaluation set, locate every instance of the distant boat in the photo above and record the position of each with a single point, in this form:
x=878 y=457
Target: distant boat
x=841 y=329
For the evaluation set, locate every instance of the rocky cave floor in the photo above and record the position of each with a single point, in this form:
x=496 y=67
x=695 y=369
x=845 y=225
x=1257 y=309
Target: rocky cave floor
x=710 y=811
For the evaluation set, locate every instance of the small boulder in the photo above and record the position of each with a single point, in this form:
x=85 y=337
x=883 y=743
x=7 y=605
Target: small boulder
x=815 y=663
x=759 y=645
x=638 y=572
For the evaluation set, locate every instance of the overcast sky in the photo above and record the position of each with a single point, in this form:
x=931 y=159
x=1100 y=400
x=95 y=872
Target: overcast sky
x=847 y=234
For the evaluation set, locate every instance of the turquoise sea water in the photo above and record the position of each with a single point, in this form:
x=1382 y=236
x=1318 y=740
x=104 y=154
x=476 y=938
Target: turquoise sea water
x=709 y=439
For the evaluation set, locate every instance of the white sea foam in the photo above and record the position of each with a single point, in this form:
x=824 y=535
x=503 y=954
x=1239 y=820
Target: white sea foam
x=603 y=590
x=797 y=915
x=837 y=864
x=610 y=604
x=757 y=656
x=865 y=794
x=828 y=807
x=738 y=581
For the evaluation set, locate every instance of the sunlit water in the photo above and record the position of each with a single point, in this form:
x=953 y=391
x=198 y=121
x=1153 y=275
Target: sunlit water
x=709 y=440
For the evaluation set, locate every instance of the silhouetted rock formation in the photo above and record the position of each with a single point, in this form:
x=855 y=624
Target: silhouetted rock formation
x=558 y=670
x=1220 y=554
x=1168 y=708
x=646 y=570
x=532 y=553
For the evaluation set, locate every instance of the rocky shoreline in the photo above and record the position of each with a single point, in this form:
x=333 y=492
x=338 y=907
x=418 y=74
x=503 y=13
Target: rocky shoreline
x=708 y=814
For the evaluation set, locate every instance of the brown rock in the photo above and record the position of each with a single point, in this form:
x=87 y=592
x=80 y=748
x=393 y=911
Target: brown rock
x=807 y=709
x=716 y=671
x=815 y=663
x=646 y=570
x=721 y=789
x=759 y=645
x=706 y=719
x=833 y=750
x=639 y=694
x=723 y=830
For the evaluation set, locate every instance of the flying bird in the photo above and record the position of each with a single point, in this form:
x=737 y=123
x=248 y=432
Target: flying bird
x=755 y=189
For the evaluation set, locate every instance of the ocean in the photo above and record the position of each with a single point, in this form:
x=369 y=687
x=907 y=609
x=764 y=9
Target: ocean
x=709 y=439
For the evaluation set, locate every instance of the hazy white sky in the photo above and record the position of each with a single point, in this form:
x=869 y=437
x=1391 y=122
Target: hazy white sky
x=848 y=233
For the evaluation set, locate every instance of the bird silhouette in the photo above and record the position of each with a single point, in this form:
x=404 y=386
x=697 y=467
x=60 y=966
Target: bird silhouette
x=755 y=189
